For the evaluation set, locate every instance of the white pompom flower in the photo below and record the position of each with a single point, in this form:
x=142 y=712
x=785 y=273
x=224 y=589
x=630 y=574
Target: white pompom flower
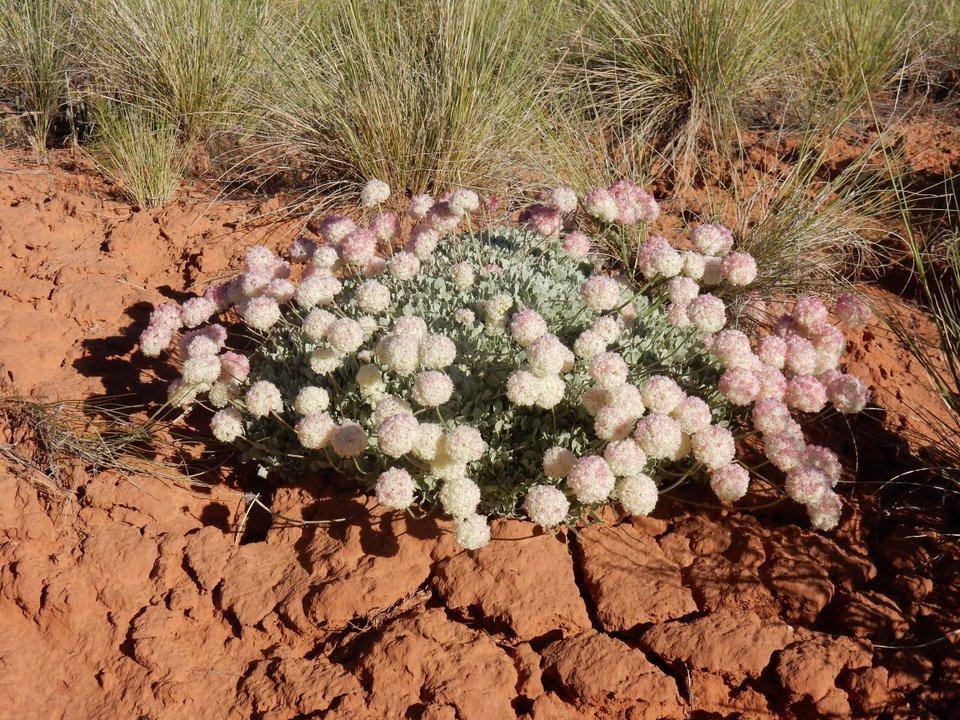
x=311 y=399
x=396 y=434
x=546 y=505
x=600 y=293
x=638 y=494
x=609 y=370
x=625 y=457
x=661 y=394
x=713 y=447
x=226 y=425
x=432 y=388
x=375 y=192
x=590 y=479
x=349 y=440
x=314 y=430
x=557 y=462
x=658 y=435
x=263 y=398
x=261 y=313
x=436 y=352
x=372 y=296
x=472 y=532
x=708 y=313
x=459 y=497
x=546 y=356
x=730 y=482
x=395 y=489
x=526 y=326
x=464 y=444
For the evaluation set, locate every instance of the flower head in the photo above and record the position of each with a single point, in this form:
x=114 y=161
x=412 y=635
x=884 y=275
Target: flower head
x=851 y=310
x=546 y=505
x=609 y=370
x=576 y=245
x=261 y=313
x=848 y=393
x=682 y=289
x=557 y=462
x=825 y=512
x=526 y=326
x=464 y=201
x=459 y=497
x=590 y=479
x=600 y=293
x=372 y=296
x=311 y=399
x=196 y=311
x=739 y=268
x=693 y=414
x=739 y=386
x=472 y=532
x=638 y=494
x=419 y=206
x=712 y=239
x=358 y=247
x=345 y=335
x=806 y=484
x=713 y=446
x=263 y=398
x=661 y=394
x=374 y=193
x=432 y=388
x=805 y=393
x=396 y=434
x=226 y=425
x=404 y=265
x=772 y=351
x=464 y=444
x=395 y=489
x=808 y=313
x=349 y=440
x=730 y=482
x=601 y=204
x=625 y=457
x=707 y=313
x=546 y=355
x=658 y=435
x=314 y=430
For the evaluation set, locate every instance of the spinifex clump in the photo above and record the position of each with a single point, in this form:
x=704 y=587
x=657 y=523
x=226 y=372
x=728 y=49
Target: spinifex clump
x=503 y=371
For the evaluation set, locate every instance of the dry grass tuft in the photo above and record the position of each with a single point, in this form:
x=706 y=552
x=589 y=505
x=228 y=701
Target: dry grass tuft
x=35 y=62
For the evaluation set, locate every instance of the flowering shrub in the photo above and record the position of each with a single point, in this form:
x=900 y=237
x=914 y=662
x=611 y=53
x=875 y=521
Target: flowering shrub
x=503 y=371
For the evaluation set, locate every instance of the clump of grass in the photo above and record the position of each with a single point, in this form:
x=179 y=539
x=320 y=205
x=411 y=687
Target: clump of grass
x=35 y=38
x=938 y=274
x=809 y=232
x=855 y=48
x=46 y=437
x=425 y=95
x=140 y=150
x=680 y=72
x=189 y=60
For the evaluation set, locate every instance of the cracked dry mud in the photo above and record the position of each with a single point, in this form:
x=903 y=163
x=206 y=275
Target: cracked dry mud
x=135 y=597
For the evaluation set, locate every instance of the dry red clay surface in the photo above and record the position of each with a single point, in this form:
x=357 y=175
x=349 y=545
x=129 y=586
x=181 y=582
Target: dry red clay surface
x=136 y=597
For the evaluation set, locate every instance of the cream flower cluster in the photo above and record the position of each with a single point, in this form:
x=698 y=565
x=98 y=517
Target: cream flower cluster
x=506 y=370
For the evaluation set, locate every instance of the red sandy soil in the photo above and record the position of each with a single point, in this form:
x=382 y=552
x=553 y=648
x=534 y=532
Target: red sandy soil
x=140 y=597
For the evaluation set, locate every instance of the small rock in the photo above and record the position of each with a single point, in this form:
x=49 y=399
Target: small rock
x=526 y=584
x=630 y=579
x=427 y=659
x=599 y=670
x=734 y=644
x=808 y=668
x=868 y=689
